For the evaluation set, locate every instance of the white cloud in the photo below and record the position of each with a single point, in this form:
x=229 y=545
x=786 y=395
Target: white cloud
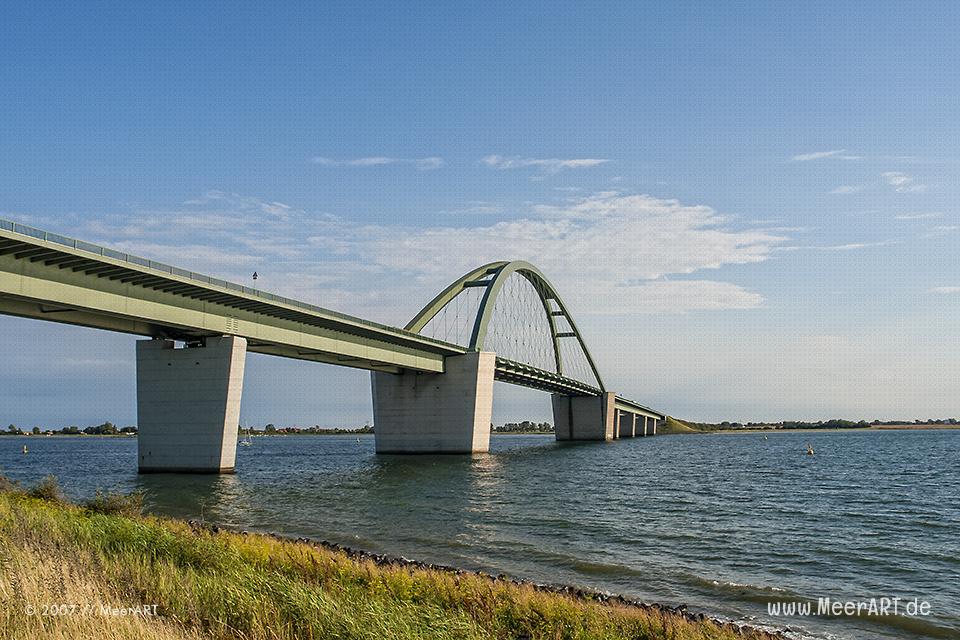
x=848 y=188
x=850 y=246
x=551 y=165
x=902 y=182
x=839 y=154
x=941 y=230
x=682 y=295
x=945 y=290
x=604 y=247
x=374 y=161
x=476 y=207
x=243 y=203
x=607 y=252
x=918 y=216
x=423 y=164
x=432 y=162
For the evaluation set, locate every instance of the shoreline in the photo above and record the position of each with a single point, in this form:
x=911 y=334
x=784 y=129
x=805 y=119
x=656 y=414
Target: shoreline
x=568 y=590
x=882 y=427
x=891 y=427
x=187 y=565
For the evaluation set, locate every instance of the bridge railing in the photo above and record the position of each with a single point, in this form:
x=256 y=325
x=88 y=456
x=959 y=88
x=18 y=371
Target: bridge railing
x=106 y=252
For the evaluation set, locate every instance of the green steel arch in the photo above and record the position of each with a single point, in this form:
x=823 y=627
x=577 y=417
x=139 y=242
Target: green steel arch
x=492 y=276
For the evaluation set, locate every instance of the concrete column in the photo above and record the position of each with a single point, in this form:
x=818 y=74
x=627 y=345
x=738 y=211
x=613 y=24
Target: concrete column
x=646 y=420
x=616 y=423
x=584 y=417
x=653 y=426
x=188 y=405
x=446 y=412
x=633 y=425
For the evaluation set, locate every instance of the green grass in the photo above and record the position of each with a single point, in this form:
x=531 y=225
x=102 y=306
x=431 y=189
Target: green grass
x=249 y=586
x=672 y=425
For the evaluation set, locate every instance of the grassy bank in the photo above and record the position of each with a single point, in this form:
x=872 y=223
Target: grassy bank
x=672 y=425
x=223 y=584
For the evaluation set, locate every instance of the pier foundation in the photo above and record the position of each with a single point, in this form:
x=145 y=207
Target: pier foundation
x=584 y=417
x=188 y=405
x=449 y=412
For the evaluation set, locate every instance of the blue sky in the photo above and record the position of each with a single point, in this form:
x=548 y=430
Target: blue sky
x=752 y=209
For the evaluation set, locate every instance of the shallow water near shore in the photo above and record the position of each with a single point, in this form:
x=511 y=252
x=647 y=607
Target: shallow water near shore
x=723 y=523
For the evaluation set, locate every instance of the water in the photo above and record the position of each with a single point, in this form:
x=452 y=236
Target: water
x=724 y=523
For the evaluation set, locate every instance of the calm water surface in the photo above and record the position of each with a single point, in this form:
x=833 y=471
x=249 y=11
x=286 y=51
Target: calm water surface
x=722 y=523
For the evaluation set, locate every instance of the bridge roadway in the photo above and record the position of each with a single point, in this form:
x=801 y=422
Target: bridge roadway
x=51 y=277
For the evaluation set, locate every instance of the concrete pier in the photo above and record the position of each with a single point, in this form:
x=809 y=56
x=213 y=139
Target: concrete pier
x=436 y=413
x=584 y=417
x=188 y=405
x=628 y=425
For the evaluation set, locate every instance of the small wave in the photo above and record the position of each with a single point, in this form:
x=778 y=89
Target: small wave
x=603 y=569
x=747 y=592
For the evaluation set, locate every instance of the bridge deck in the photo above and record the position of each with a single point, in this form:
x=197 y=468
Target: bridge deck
x=52 y=277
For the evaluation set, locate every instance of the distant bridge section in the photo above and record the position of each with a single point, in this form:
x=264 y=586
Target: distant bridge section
x=188 y=398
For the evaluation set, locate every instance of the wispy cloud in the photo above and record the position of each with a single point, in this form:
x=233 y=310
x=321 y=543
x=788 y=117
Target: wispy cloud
x=244 y=203
x=945 y=290
x=432 y=162
x=941 y=230
x=847 y=188
x=604 y=247
x=475 y=207
x=902 y=182
x=850 y=246
x=919 y=216
x=423 y=164
x=551 y=165
x=838 y=154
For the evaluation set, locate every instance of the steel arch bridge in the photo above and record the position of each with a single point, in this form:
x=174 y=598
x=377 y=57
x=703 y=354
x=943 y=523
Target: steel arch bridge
x=509 y=308
x=555 y=322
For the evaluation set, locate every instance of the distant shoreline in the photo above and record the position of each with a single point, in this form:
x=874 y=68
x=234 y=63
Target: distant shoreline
x=256 y=434
x=879 y=427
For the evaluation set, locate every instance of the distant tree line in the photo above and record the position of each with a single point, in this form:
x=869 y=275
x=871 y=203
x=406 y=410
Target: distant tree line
x=524 y=427
x=835 y=423
x=104 y=429
x=316 y=429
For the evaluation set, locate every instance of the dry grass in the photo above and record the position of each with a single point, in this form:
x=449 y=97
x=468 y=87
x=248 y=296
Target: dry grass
x=35 y=575
x=230 y=585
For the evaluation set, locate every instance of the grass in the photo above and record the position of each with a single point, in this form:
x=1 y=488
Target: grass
x=672 y=425
x=219 y=584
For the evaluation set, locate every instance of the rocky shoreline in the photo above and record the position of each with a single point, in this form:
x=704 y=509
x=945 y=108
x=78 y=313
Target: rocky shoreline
x=571 y=591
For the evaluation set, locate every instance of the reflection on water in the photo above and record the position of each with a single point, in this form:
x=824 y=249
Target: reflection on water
x=214 y=498
x=724 y=523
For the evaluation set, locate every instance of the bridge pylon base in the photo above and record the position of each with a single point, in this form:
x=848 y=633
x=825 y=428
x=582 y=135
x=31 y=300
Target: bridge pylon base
x=584 y=417
x=436 y=413
x=188 y=405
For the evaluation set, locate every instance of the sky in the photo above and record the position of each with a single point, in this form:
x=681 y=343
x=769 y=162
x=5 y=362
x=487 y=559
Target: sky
x=751 y=209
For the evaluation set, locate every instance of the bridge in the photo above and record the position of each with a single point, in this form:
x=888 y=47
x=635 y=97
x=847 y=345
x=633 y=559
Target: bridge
x=432 y=381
